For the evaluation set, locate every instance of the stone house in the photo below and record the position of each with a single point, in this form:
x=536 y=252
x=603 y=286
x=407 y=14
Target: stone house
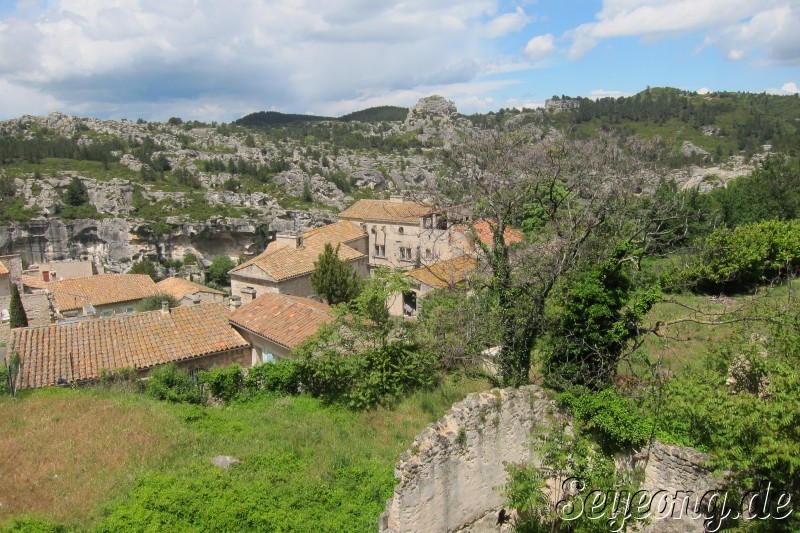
x=286 y=265
x=104 y=295
x=194 y=337
x=406 y=234
x=429 y=278
x=188 y=293
x=60 y=270
x=275 y=324
x=37 y=306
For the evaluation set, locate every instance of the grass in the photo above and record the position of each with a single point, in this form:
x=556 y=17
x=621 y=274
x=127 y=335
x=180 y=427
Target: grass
x=50 y=166
x=125 y=461
x=689 y=331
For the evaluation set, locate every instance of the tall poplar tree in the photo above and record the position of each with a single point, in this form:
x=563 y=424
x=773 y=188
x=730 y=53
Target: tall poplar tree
x=18 y=317
x=334 y=279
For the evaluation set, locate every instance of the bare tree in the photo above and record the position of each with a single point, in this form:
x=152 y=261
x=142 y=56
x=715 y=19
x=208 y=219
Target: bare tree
x=575 y=199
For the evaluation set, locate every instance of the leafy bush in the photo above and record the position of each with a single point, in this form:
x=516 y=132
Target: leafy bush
x=173 y=385
x=223 y=382
x=153 y=303
x=281 y=376
x=218 y=270
x=144 y=267
x=614 y=418
x=739 y=259
x=369 y=378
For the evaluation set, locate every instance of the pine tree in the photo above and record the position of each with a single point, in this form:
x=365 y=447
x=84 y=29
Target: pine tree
x=334 y=279
x=18 y=317
x=76 y=193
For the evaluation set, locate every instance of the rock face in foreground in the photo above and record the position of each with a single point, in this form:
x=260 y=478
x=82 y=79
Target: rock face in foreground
x=449 y=479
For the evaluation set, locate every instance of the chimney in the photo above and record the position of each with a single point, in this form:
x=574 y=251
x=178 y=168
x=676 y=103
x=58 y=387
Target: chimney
x=248 y=295
x=396 y=198
x=195 y=299
x=289 y=240
x=235 y=303
x=165 y=307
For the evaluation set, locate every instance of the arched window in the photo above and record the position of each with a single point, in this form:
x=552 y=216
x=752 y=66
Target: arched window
x=400 y=230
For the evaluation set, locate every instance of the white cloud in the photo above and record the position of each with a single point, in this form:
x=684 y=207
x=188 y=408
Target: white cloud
x=741 y=28
x=703 y=90
x=157 y=57
x=507 y=23
x=540 y=46
x=787 y=89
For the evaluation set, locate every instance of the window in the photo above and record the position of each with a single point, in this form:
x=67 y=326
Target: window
x=129 y=310
x=428 y=253
x=107 y=313
x=380 y=250
x=400 y=230
x=267 y=356
x=405 y=253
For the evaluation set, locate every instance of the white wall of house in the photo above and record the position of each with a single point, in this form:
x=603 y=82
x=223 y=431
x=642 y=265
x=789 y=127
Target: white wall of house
x=263 y=350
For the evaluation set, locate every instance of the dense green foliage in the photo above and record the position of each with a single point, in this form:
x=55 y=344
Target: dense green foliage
x=169 y=383
x=18 y=317
x=143 y=266
x=223 y=382
x=217 y=272
x=600 y=318
x=76 y=194
x=272 y=118
x=334 y=279
x=154 y=303
x=613 y=419
x=384 y=113
x=742 y=258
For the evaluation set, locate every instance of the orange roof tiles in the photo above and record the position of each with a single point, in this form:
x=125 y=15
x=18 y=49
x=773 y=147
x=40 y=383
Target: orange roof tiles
x=79 y=351
x=282 y=319
x=30 y=281
x=484 y=229
x=285 y=262
x=3 y=268
x=342 y=231
x=445 y=273
x=179 y=287
x=386 y=210
x=103 y=289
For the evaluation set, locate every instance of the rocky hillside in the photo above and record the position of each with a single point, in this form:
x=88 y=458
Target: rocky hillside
x=161 y=190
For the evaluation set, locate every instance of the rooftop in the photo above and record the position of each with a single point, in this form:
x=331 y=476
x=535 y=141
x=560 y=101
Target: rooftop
x=284 y=262
x=179 y=287
x=388 y=210
x=103 y=289
x=283 y=319
x=445 y=273
x=79 y=351
x=484 y=228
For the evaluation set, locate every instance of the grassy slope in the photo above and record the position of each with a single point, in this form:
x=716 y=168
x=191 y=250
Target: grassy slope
x=122 y=459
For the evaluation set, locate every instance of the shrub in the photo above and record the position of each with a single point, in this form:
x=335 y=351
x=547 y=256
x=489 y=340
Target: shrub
x=366 y=379
x=281 y=376
x=153 y=303
x=223 y=382
x=173 y=385
x=614 y=418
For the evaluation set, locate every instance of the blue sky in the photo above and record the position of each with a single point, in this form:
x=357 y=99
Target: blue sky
x=214 y=60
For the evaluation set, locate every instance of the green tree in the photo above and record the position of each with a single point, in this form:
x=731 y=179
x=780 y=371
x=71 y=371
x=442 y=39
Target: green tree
x=153 y=303
x=76 y=193
x=144 y=267
x=218 y=270
x=596 y=325
x=18 y=317
x=307 y=196
x=334 y=279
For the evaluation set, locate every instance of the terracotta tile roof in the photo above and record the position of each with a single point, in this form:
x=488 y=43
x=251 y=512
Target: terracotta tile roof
x=140 y=340
x=343 y=231
x=283 y=319
x=445 y=273
x=483 y=228
x=30 y=281
x=100 y=290
x=282 y=263
x=3 y=269
x=179 y=287
x=386 y=210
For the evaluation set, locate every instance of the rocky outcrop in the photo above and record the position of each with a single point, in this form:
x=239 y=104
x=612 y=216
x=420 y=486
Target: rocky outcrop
x=114 y=243
x=450 y=478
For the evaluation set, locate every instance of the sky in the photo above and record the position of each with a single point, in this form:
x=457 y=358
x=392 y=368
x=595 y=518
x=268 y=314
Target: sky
x=217 y=60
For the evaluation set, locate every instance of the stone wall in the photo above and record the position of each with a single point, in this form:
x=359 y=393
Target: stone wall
x=449 y=479
x=37 y=309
